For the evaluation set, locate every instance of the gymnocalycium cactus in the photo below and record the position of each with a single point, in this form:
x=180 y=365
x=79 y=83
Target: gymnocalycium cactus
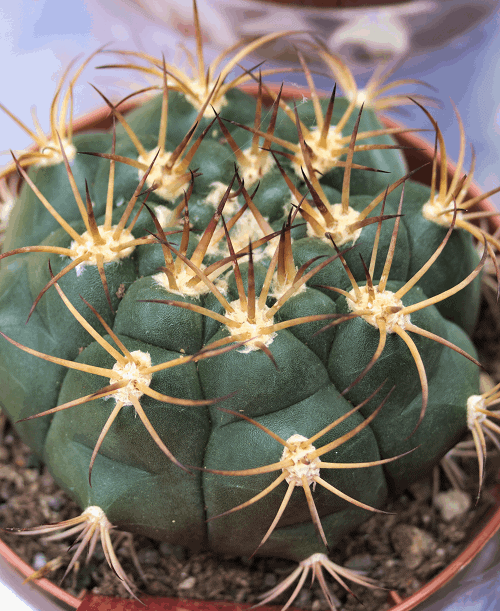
x=228 y=302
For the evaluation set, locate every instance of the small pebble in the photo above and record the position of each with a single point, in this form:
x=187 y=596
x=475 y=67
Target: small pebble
x=39 y=561
x=452 y=504
x=55 y=502
x=165 y=549
x=30 y=476
x=187 y=584
x=148 y=555
x=46 y=480
x=412 y=544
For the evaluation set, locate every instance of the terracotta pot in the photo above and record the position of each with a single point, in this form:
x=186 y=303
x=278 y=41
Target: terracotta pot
x=420 y=153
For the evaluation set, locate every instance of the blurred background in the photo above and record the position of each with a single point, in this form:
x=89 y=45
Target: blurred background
x=451 y=44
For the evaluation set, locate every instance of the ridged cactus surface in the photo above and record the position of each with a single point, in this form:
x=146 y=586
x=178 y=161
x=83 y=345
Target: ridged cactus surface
x=237 y=311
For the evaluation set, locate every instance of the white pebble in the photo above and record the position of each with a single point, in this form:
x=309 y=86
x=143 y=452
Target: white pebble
x=452 y=504
x=187 y=584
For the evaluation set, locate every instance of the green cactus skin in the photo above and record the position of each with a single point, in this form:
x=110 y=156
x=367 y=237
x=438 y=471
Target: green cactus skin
x=290 y=386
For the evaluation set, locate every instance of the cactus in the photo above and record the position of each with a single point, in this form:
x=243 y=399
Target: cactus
x=218 y=319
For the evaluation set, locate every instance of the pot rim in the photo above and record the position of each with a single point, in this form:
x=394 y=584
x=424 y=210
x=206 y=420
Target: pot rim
x=100 y=119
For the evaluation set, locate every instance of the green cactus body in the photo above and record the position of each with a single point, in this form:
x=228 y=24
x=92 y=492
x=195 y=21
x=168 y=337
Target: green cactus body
x=301 y=343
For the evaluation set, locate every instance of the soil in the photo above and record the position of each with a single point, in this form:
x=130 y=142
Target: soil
x=379 y=548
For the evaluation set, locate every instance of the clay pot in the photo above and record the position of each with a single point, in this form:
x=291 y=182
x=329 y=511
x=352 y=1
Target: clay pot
x=418 y=153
